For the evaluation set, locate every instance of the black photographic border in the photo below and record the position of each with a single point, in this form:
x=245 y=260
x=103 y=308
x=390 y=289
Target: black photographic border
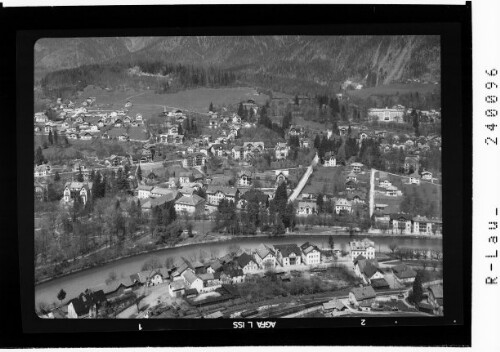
x=452 y=22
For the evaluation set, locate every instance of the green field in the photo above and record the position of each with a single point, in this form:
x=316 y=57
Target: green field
x=147 y=102
x=393 y=89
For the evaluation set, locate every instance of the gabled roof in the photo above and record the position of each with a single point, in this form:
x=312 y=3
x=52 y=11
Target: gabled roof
x=189 y=276
x=379 y=283
x=177 y=285
x=263 y=250
x=244 y=259
x=287 y=249
x=206 y=277
x=231 y=271
x=404 y=272
x=363 y=293
x=193 y=200
x=230 y=191
x=437 y=291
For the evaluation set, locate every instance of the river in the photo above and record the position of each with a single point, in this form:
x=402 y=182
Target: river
x=76 y=283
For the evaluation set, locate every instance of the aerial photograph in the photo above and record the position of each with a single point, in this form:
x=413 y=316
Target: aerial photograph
x=238 y=177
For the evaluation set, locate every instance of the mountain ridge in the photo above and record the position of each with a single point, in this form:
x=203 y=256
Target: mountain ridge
x=370 y=60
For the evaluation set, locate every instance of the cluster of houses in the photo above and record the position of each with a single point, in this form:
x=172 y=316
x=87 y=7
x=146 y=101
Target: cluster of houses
x=188 y=278
x=354 y=196
x=87 y=123
x=406 y=224
x=398 y=112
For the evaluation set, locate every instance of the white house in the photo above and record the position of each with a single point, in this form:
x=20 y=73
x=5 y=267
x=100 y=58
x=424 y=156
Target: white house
x=288 y=254
x=364 y=248
x=310 y=254
x=343 y=204
x=329 y=160
x=144 y=192
x=192 y=281
x=191 y=204
x=265 y=257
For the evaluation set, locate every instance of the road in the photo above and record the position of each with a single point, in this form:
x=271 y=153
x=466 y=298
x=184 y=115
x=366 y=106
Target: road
x=304 y=179
x=372 y=191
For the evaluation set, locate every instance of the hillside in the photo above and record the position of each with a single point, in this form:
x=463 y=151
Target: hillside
x=318 y=60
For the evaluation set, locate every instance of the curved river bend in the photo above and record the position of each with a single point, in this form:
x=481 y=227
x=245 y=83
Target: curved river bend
x=76 y=283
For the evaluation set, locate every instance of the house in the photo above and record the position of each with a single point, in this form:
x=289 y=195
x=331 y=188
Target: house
x=422 y=225
x=237 y=153
x=281 y=151
x=86 y=136
x=364 y=248
x=42 y=170
x=247 y=263
x=214 y=267
x=213 y=123
x=210 y=281
x=401 y=223
x=192 y=281
x=362 y=296
x=311 y=255
x=244 y=178
x=426 y=175
x=41 y=190
x=157 y=192
x=40 y=117
x=334 y=305
x=343 y=205
x=414 y=178
x=231 y=274
x=176 y=288
x=296 y=130
x=357 y=167
x=411 y=163
x=193 y=204
x=329 y=160
x=306 y=207
x=386 y=115
x=193 y=160
x=367 y=269
x=86 y=305
x=185 y=177
x=404 y=274
x=265 y=257
x=144 y=192
x=216 y=193
x=435 y=297
x=351 y=176
x=77 y=189
x=288 y=254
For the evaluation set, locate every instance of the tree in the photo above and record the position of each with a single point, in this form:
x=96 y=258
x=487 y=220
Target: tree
x=61 y=295
x=57 y=177
x=139 y=173
x=241 y=110
x=211 y=107
x=296 y=100
x=320 y=203
x=418 y=291
x=79 y=177
x=51 y=138
x=56 y=137
x=393 y=246
x=39 y=158
x=331 y=242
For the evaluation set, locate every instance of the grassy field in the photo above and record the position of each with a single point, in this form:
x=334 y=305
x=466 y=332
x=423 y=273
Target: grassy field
x=148 y=102
x=392 y=89
x=427 y=191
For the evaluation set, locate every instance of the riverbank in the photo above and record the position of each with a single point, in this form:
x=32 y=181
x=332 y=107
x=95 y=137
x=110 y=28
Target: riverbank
x=224 y=238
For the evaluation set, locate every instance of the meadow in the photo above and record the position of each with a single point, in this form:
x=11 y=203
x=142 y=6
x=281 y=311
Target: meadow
x=148 y=102
x=394 y=89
